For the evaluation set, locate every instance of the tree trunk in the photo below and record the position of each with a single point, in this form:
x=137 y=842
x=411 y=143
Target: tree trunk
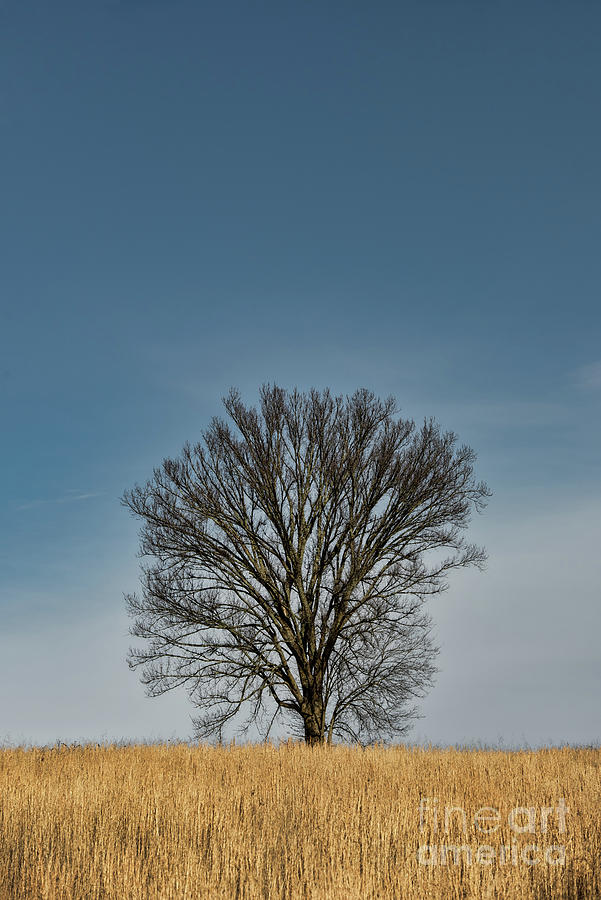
x=313 y=734
x=314 y=726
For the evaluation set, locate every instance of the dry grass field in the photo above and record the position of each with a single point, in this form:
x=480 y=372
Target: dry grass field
x=162 y=821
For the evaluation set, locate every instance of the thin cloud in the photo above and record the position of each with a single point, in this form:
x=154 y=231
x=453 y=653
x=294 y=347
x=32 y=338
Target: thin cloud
x=72 y=496
x=589 y=376
x=79 y=495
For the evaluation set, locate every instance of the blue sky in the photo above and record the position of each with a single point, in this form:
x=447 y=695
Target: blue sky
x=399 y=196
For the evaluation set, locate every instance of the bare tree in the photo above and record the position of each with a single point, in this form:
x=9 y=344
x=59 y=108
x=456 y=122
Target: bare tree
x=290 y=558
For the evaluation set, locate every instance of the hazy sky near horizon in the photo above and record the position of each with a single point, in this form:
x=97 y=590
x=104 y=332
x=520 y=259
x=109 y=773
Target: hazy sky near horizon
x=401 y=196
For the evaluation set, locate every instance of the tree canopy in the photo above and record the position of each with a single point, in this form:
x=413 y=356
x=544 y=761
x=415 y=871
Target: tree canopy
x=287 y=558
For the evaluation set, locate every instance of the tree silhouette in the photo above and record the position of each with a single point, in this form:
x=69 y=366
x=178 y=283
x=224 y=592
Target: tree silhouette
x=288 y=560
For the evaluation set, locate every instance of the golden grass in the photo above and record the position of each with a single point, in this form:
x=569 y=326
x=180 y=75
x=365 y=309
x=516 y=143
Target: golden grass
x=177 y=821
